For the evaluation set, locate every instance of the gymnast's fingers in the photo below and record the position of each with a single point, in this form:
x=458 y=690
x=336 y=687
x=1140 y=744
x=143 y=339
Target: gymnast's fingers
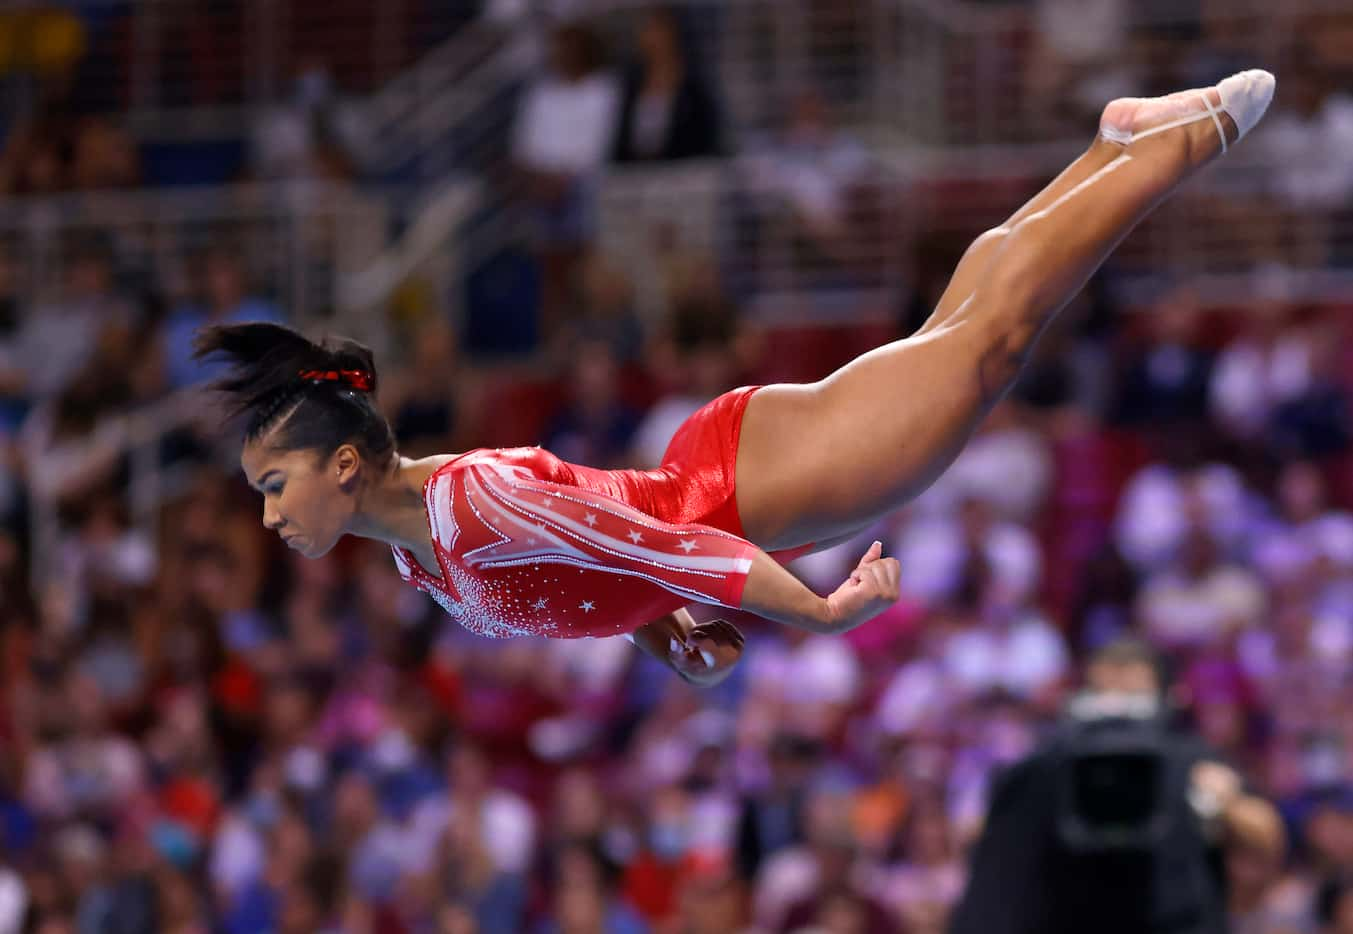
x=875 y=550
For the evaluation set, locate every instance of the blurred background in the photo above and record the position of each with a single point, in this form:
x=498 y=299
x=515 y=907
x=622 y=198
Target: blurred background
x=571 y=224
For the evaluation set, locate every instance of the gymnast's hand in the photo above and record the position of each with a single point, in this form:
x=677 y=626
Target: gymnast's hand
x=709 y=653
x=871 y=588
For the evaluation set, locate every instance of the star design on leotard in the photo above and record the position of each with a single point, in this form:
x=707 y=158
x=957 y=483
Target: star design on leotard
x=539 y=604
x=549 y=501
x=689 y=546
x=590 y=518
x=587 y=606
x=635 y=537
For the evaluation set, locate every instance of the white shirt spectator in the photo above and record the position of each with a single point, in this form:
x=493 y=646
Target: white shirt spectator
x=1153 y=515
x=933 y=553
x=13 y=900
x=1083 y=31
x=1021 y=659
x=1282 y=551
x=918 y=696
x=593 y=666
x=566 y=127
x=1011 y=469
x=97 y=773
x=659 y=425
x=237 y=854
x=1308 y=155
x=1179 y=610
x=1250 y=380
x=507 y=828
x=820 y=670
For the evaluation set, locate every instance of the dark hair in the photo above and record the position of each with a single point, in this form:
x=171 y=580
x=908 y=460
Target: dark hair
x=1128 y=651
x=265 y=385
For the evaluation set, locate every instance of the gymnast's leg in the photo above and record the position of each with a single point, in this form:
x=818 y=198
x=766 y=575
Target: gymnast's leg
x=823 y=460
x=973 y=264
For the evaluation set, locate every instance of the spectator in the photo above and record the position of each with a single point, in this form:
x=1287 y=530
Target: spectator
x=1263 y=367
x=1304 y=139
x=940 y=552
x=105 y=157
x=307 y=138
x=424 y=397
x=56 y=340
x=698 y=359
x=1165 y=379
x=564 y=125
x=607 y=311
x=818 y=883
x=1201 y=599
x=666 y=112
x=811 y=185
x=596 y=425
x=225 y=299
x=583 y=900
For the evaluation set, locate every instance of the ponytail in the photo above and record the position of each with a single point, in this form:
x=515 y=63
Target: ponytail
x=301 y=394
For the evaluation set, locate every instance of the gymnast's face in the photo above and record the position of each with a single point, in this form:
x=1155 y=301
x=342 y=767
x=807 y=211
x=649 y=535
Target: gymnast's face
x=306 y=497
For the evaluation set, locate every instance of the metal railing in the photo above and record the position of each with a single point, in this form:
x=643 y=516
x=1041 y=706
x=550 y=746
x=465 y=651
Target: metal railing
x=301 y=247
x=951 y=73
x=298 y=241
x=180 y=67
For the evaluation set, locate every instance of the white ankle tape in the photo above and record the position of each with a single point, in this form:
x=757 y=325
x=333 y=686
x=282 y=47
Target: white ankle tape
x=1115 y=135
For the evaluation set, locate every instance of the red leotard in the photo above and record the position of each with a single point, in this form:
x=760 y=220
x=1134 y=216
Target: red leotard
x=529 y=544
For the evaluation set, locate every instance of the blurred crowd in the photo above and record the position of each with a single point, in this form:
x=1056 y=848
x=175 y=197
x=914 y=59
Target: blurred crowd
x=201 y=731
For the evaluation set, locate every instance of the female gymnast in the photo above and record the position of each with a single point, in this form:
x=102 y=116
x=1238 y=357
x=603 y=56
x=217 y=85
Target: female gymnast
x=514 y=542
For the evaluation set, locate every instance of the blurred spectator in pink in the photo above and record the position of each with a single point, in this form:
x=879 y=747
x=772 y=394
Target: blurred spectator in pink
x=923 y=885
x=1163 y=502
x=1305 y=532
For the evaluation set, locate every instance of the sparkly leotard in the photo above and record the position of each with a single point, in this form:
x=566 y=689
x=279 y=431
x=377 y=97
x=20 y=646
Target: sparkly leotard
x=528 y=544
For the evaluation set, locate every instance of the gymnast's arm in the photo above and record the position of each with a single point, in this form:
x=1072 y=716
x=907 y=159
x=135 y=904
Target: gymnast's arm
x=769 y=590
x=694 y=561
x=773 y=592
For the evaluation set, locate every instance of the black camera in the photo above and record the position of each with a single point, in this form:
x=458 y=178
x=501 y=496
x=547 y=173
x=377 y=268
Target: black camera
x=1114 y=776
x=1113 y=785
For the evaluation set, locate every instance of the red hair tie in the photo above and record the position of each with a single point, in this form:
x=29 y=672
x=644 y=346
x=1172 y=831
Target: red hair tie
x=358 y=379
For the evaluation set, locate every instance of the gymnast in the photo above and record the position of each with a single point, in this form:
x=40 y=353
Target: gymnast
x=518 y=542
